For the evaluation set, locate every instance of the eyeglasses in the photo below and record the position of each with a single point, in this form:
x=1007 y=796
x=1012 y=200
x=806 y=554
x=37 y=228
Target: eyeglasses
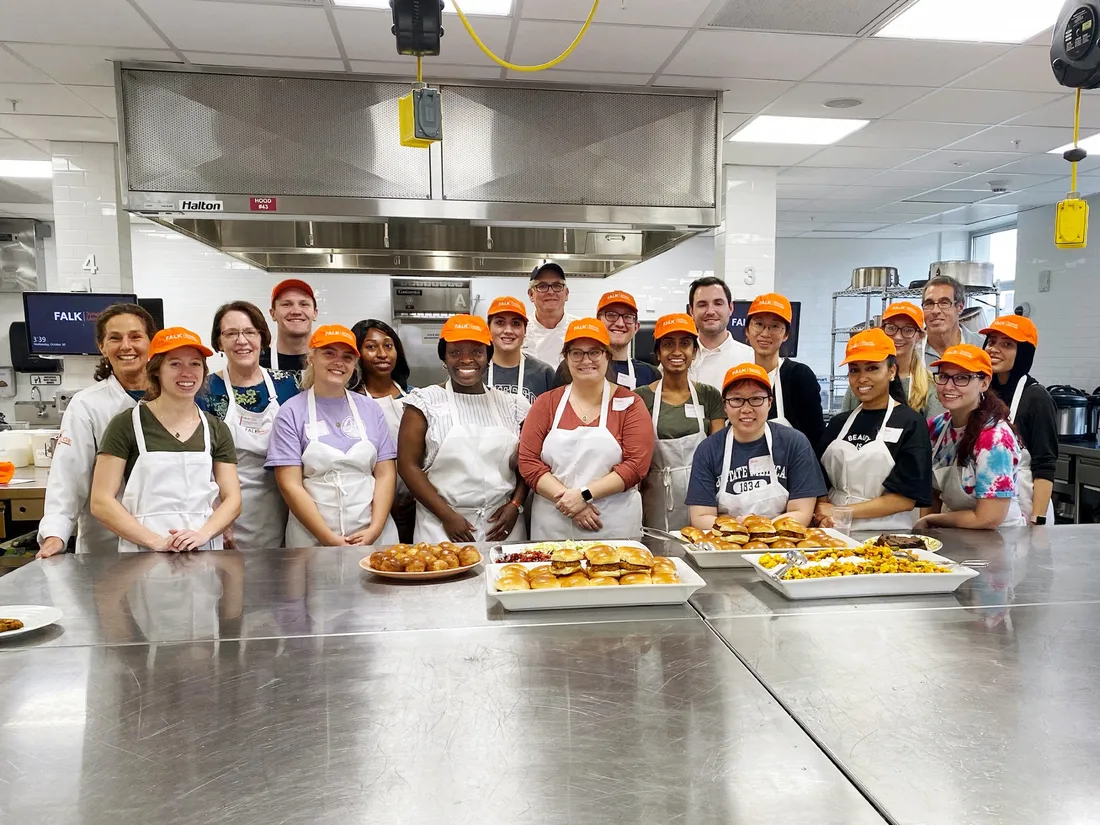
x=942 y=303
x=774 y=329
x=738 y=403
x=542 y=287
x=251 y=333
x=963 y=379
x=904 y=332
x=578 y=355
x=611 y=317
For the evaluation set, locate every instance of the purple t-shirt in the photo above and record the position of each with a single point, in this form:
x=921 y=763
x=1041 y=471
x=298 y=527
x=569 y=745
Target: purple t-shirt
x=288 y=436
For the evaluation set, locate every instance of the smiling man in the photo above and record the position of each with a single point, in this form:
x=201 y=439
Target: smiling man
x=293 y=309
x=943 y=301
x=619 y=313
x=710 y=304
x=546 y=333
x=510 y=369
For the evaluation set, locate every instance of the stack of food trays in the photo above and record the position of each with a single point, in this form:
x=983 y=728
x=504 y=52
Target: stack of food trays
x=608 y=574
x=422 y=562
x=734 y=538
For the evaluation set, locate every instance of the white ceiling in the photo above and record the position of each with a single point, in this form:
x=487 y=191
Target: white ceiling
x=948 y=117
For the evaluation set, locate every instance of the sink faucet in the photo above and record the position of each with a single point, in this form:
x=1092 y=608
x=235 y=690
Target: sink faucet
x=39 y=404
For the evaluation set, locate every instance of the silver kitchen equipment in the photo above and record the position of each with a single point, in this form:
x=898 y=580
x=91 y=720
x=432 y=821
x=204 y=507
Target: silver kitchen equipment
x=967 y=273
x=1072 y=416
x=874 y=277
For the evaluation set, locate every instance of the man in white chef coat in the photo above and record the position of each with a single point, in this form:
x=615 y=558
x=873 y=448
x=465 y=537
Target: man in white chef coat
x=546 y=331
x=710 y=304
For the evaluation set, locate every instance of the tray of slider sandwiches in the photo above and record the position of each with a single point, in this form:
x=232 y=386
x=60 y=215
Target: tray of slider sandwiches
x=589 y=574
x=732 y=539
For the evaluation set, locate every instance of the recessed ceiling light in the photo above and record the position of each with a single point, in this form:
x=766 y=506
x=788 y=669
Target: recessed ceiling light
x=1090 y=144
x=26 y=169
x=807 y=131
x=843 y=103
x=497 y=8
x=980 y=21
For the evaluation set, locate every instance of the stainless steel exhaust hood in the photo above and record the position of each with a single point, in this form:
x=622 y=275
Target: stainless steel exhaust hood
x=300 y=173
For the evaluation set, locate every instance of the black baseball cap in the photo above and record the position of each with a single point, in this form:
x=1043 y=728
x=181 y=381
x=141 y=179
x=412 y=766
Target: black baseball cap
x=549 y=266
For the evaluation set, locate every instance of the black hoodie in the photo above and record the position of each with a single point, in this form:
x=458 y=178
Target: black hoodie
x=1037 y=418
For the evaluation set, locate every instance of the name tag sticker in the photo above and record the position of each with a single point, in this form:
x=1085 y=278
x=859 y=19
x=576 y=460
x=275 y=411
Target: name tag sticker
x=891 y=435
x=620 y=404
x=254 y=423
x=625 y=380
x=689 y=411
x=761 y=465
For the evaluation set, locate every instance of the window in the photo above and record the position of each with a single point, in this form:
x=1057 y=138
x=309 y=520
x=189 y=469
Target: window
x=999 y=248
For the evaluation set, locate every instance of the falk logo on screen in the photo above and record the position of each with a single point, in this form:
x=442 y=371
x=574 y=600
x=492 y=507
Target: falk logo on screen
x=79 y=316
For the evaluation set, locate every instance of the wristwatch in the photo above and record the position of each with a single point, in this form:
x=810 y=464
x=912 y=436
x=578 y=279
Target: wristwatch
x=517 y=505
x=1040 y=519
x=586 y=494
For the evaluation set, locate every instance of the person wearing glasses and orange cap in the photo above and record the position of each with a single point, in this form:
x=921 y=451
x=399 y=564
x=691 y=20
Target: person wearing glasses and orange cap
x=332 y=452
x=755 y=466
x=174 y=463
x=1011 y=342
x=458 y=442
x=797 y=393
x=511 y=370
x=975 y=452
x=294 y=310
x=878 y=458
x=586 y=447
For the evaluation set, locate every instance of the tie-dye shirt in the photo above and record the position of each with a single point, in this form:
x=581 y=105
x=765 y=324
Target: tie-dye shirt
x=992 y=471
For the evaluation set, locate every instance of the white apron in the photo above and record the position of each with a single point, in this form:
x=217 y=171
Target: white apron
x=857 y=475
x=170 y=491
x=665 y=488
x=777 y=389
x=577 y=458
x=474 y=473
x=1025 y=480
x=627 y=379
x=262 y=522
x=769 y=499
x=947 y=482
x=341 y=484
x=393 y=409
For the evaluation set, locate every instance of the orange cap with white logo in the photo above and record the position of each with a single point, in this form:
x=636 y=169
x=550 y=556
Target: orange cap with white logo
x=507 y=304
x=466 y=328
x=904 y=309
x=968 y=357
x=677 y=322
x=329 y=334
x=588 y=328
x=774 y=303
x=1017 y=327
x=869 y=345
x=616 y=297
x=746 y=372
x=175 y=337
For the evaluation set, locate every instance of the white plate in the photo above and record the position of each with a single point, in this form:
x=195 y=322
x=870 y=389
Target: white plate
x=736 y=558
x=33 y=616
x=934 y=545
x=620 y=596
x=872 y=584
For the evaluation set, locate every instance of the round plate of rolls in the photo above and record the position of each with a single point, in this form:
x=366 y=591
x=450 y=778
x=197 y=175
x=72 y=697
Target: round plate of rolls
x=734 y=538
x=422 y=562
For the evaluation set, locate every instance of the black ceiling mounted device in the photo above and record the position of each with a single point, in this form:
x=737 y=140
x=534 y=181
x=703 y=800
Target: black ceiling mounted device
x=418 y=26
x=1075 y=47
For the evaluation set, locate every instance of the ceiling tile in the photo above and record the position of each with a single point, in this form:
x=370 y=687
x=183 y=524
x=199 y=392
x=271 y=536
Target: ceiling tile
x=1024 y=69
x=604 y=48
x=907 y=62
x=886 y=194
x=1017 y=139
x=971 y=163
x=747 y=96
x=14 y=70
x=808 y=100
x=583 y=78
x=84 y=65
x=805 y=192
x=902 y=232
x=862 y=158
x=236 y=28
x=82 y=23
x=813 y=175
x=20 y=150
x=687 y=82
x=1060 y=113
x=897 y=177
x=366 y=35
x=764 y=154
x=907 y=134
x=101 y=98
x=1028 y=198
x=970 y=106
x=834 y=234
x=43 y=99
x=974 y=213
x=762 y=55
x=949 y=196
x=843 y=226
x=680 y=14
x=981 y=183
x=41 y=127
x=295 y=64
x=1049 y=165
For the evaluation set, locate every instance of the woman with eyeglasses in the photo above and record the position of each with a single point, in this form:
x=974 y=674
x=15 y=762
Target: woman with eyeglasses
x=586 y=447
x=877 y=459
x=975 y=452
x=1011 y=342
x=755 y=466
x=240 y=332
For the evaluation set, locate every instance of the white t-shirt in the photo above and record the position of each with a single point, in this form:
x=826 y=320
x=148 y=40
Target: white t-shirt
x=711 y=365
x=546 y=344
x=481 y=409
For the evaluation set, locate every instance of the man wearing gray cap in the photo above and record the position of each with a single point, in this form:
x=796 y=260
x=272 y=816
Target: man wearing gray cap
x=546 y=332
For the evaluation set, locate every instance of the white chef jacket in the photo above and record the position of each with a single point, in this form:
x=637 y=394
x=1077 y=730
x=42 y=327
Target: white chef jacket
x=711 y=365
x=546 y=344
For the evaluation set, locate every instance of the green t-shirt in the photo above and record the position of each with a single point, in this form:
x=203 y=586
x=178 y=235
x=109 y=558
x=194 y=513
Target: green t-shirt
x=674 y=422
x=119 y=439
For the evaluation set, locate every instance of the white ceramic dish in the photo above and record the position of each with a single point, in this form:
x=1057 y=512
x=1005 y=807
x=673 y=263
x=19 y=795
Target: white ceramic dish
x=33 y=617
x=931 y=544
x=872 y=584
x=570 y=597
x=737 y=558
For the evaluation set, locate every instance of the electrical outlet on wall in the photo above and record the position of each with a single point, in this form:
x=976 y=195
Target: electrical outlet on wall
x=1044 y=280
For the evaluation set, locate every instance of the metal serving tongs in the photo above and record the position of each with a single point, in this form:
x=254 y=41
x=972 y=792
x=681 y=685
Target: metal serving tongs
x=704 y=546
x=793 y=558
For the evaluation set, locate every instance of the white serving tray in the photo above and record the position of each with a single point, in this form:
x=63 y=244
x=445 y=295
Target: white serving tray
x=872 y=584
x=737 y=558
x=570 y=597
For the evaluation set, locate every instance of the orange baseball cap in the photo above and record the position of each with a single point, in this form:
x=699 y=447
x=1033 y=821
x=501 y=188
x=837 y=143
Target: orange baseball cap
x=507 y=304
x=175 y=337
x=1016 y=327
x=774 y=303
x=616 y=297
x=292 y=283
x=329 y=334
x=466 y=328
x=906 y=309
x=588 y=328
x=869 y=345
x=967 y=356
x=747 y=372
x=677 y=322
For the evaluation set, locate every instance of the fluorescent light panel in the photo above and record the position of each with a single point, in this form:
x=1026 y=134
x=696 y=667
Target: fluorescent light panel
x=980 y=21
x=496 y=8
x=806 y=131
x=1090 y=144
x=26 y=169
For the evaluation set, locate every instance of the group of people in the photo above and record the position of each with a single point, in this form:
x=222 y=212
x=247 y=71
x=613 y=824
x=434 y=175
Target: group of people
x=545 y=427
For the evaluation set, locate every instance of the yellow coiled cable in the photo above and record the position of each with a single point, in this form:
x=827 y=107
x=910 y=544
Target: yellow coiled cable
x=514 y=67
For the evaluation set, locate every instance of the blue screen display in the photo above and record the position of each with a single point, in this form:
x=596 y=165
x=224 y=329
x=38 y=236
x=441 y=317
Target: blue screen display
x=63 y=323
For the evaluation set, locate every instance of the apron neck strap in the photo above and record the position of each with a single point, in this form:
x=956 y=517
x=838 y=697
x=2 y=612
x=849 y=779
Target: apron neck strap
x=1016 y=398
x=311 y=406
x=231 y=394
x=727 y=458
x=453 y=403
x=890 y=406
x=139 y=434
x=694 y=402
x=604 y=404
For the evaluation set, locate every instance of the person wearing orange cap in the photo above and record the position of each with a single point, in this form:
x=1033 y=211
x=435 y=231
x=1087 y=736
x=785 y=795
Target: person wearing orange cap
x=511 y=370
x=1011 y=342
x=294 y=310
x=332 y=452
x=174 y=464
x=684 y=413
x=586 y=447
x=797 y=393
x=458 y=442
x=754 y=466
x=619 y=312
x=975 y=452
x=878 y=458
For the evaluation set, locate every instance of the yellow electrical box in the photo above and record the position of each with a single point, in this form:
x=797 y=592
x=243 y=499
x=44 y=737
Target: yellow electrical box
x=421 y=118
x=1071 y=224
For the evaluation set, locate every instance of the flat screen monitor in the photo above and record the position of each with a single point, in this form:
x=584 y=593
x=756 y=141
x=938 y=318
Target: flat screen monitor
x=63 y=323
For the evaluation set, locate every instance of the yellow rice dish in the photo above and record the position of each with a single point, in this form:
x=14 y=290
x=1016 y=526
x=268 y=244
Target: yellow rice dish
x=857 y=561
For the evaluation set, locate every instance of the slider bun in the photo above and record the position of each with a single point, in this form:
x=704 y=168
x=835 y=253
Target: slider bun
x=636 y=578
x=468 y=556
x=566 y=554
x=513 y=570
x=439 y=565
x=541 y=570
x=603 y=581
x=783 y=544
x=663 y=562
x=508 y=583
x=692 y=533
x=635 y=557
x=808 y=544
x=415 y=566
x=835 y=544
x=547 y=582
x=665 y=577
x=575 y=581
x=755 y=545
x=816 y=533
x=601 y=554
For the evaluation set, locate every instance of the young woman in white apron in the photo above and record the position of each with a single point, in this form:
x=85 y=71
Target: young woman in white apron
x=459 y=457
x=962 y=384
x=337 y=496
x=173 y=500
x=862 y=472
